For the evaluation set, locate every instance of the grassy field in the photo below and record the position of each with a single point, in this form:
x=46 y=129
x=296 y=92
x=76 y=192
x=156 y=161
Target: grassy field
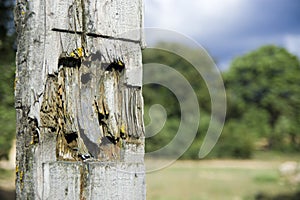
x=219 y=179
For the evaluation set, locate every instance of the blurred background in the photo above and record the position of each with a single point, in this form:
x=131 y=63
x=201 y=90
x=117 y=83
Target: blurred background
x=256 y=45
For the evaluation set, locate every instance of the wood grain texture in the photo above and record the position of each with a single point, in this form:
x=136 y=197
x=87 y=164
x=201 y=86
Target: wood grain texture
x=79 y=115
x=102 y=180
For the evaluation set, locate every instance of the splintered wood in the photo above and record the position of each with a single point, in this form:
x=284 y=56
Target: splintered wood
x=92 y=121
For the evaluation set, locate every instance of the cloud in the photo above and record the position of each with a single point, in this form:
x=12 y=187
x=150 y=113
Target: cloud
x=230 y=27
x=201 y=17
x=292 y=43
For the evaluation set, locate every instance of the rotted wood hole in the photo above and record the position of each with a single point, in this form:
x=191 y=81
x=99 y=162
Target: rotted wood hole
x=91 y=110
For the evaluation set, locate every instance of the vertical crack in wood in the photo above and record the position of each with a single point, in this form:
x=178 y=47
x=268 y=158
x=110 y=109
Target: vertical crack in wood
x=84 y=28
x=84 y=179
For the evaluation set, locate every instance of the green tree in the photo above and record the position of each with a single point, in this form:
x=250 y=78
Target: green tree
x=7 y=32
x=7 y=112
x=7 y=67
x=266 y=81
x=156 y=94
x=236 y=141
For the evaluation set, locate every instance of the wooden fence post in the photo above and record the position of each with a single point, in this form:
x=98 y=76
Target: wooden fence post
x=80 y=131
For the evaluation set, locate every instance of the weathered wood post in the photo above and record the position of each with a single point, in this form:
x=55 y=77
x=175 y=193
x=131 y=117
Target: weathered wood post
x=80 y=132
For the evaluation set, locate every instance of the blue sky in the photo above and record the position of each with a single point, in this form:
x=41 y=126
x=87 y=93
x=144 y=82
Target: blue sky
x=229 y=28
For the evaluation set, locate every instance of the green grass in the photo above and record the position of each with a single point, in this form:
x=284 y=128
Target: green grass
x=219 y=179
x=7 y=179
x=275 y=156
x=6 y=174
x=265 y=178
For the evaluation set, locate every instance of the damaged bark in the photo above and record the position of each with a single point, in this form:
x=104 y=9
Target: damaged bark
x=78 y=99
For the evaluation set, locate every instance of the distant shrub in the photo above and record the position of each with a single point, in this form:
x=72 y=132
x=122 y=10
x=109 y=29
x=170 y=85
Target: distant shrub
x=264 y=196
x=235 y=142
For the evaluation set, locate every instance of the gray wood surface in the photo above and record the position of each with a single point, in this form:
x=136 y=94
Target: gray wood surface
x=80 y=131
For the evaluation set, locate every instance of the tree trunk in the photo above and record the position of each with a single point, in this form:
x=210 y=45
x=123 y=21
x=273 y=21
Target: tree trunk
x=80 y=132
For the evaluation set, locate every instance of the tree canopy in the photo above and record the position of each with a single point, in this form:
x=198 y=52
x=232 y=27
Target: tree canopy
x=263 y=96
x=263 y=92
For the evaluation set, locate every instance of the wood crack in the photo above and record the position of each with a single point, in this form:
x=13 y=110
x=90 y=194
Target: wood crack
x=95 y=35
